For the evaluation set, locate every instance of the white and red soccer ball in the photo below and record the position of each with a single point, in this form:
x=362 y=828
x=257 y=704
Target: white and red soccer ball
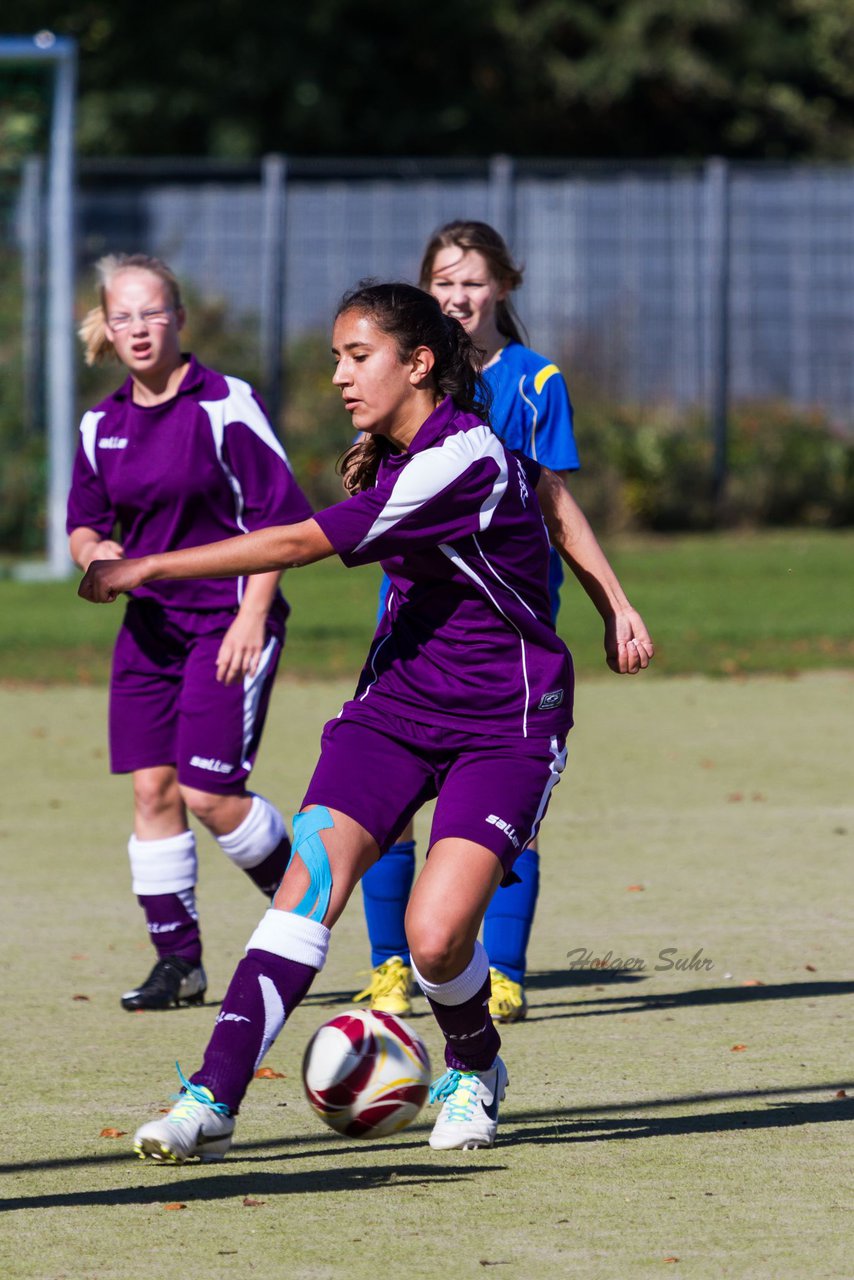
x=366 y=1073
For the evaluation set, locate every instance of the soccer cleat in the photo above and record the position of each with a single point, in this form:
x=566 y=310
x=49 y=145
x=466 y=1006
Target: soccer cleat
x=507 y=1002
x=172 y=981
x=469 y=1116
x=197 y=1127
x=389 y=988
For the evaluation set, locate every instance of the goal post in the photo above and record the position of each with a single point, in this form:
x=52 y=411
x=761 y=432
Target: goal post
x=59 y=54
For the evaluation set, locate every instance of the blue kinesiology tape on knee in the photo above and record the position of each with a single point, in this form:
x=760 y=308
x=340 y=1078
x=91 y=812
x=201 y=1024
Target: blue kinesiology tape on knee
x=310 y=847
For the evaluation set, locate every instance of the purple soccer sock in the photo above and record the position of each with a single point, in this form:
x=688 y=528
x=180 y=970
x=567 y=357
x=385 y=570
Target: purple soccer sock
x=173 y=929
x=267 y=875
x=263 y=991
x=471 y=1040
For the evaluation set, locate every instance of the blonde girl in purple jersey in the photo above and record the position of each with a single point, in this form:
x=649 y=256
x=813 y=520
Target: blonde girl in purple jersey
x=465 y=697
x=177 y=456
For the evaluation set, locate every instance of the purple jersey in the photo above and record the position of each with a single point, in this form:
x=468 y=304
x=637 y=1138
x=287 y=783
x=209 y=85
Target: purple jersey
x=466 y=639
x=200 y=467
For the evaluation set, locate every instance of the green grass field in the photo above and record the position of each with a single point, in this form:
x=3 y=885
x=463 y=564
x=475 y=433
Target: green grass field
x=681 y=1113
x=719 y=605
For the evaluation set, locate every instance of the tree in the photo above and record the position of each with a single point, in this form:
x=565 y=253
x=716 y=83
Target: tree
x=603 y=78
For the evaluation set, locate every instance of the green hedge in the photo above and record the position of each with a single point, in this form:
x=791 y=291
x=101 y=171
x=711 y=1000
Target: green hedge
x=650 y=470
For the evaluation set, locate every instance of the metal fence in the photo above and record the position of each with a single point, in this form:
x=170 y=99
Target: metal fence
x=676 y=285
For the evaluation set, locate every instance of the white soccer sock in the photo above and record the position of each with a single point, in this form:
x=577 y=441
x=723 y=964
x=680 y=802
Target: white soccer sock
x=260 y=832
x=292 y=937
x=164 y=866
x=461 y=988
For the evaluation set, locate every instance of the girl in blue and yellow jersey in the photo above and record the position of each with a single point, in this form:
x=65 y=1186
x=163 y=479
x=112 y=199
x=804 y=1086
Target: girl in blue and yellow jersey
x=469 y=270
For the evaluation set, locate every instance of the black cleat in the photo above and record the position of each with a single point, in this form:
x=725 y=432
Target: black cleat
x=172 y=981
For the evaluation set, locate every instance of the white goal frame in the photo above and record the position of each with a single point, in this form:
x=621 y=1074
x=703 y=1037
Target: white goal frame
x=60 y=53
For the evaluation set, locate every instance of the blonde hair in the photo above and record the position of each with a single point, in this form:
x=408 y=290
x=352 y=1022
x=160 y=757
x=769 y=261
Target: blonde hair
x=469 y=235
x=97 y=347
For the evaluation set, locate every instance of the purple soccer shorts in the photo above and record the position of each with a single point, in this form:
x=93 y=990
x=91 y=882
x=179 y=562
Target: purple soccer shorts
x=380 y=770
x=167 y=707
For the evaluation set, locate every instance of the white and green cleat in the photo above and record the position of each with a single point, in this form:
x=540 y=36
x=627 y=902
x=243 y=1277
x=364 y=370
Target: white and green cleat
x=197 y=1128
x=469 y=1115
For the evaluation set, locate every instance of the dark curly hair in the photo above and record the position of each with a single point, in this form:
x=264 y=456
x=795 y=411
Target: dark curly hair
x=413 y=319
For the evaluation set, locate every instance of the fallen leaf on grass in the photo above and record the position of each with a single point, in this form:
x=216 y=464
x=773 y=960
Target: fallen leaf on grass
x=735 y=797
x=112 y=1133
x=672 y=1258
x=753 y=982
x=249 y=1203
x=174 y=1204
x=738 y=1048
x=634 y=888
x=810 y=968
x=267 y=1073
x=79 y=997
x=840 y=1093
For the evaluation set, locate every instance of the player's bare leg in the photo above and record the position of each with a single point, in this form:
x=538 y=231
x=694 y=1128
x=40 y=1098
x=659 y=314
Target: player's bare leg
x=452 y=969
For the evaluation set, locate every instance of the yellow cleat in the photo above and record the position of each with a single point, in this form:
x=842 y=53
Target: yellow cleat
x=389 y=988
x=507 y=1002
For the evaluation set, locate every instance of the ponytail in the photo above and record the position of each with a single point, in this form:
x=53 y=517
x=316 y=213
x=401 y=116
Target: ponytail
x=414 y=319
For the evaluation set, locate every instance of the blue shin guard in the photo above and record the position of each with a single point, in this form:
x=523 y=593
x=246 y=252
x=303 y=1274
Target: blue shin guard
x=509 y=916
x=385 y=892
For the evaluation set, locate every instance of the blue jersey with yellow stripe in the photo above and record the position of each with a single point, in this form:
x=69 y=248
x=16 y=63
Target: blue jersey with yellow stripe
x=531 y=410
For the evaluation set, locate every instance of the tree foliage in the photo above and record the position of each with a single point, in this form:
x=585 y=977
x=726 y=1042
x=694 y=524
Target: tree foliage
x=609 y=78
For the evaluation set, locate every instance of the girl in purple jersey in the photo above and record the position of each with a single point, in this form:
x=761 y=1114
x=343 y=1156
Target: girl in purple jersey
x=177 y=456
x=469 y=269
x=465 y=697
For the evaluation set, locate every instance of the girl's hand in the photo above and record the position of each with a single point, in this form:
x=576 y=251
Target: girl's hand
x=105 y=580
x=628 y=647
x=241 y=648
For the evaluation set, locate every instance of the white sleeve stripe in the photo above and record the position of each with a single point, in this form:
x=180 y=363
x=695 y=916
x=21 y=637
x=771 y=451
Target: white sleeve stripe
x=239 y=406
x=243 y=407
x=88 y=432
x=457 y=560
x=434 y=470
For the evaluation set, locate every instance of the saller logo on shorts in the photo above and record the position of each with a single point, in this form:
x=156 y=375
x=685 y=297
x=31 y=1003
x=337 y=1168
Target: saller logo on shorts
x=212 y=766
x=549 y=701
x=508 y=830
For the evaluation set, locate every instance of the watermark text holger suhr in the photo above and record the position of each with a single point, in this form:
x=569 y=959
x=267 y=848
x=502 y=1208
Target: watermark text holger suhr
x=668 y=958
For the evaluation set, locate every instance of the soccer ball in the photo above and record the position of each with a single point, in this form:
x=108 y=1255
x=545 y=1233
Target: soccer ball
x=366 y=1073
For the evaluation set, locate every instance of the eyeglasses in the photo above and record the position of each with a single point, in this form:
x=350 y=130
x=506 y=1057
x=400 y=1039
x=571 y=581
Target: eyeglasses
x=151 y=315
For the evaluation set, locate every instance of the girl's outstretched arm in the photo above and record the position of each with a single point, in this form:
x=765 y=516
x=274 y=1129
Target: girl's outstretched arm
x=286 y=546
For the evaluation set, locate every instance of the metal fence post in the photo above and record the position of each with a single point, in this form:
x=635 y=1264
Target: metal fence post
x=718 y=205
x=502 y=196
x=60 y=249
x=274 y=172
x=31 y=239
x=60 y=52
